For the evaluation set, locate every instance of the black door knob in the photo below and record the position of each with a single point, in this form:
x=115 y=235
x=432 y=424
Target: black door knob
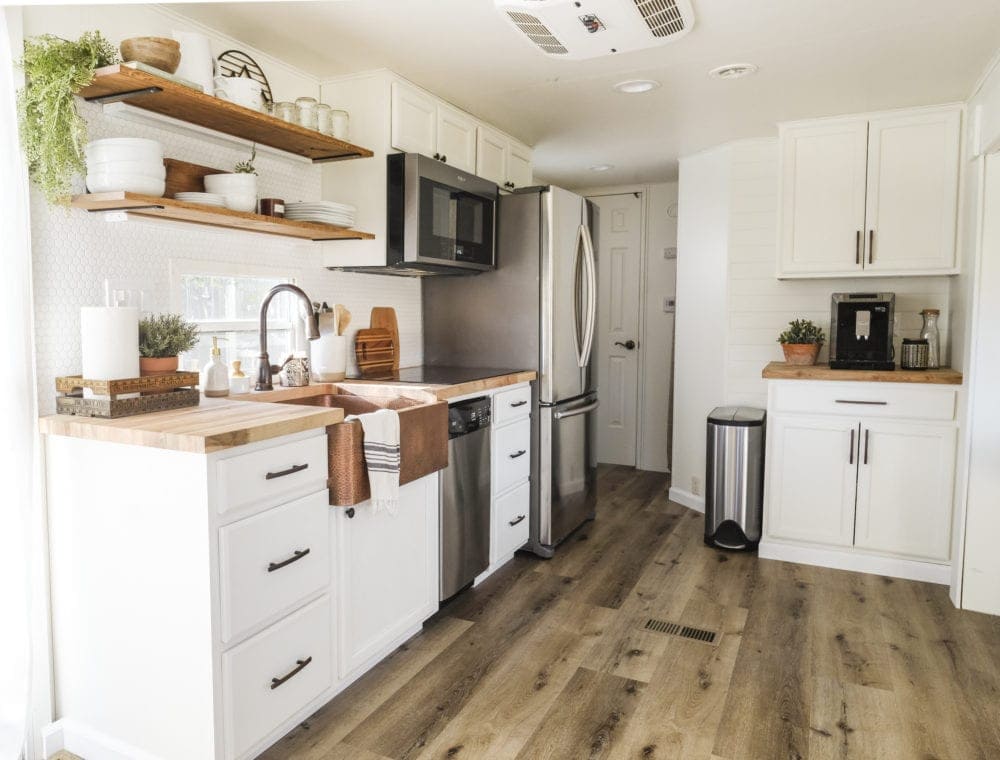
x=627 y=345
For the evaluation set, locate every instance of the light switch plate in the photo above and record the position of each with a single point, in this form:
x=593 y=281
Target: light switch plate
x=669 y=253
x=669 y=305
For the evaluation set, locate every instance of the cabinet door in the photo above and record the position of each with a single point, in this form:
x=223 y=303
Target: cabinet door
x=414 y=120
x=822 y=200
x=491 y=155
x=812 y=472
x=905 y=489
x=912 y=192
x=387 y=572
x=519 y=172
x=456 y=138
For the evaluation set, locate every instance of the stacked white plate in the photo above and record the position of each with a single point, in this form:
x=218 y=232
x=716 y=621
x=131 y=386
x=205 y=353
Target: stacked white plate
x=202 y=199
x=129 y=164
x=325 y=212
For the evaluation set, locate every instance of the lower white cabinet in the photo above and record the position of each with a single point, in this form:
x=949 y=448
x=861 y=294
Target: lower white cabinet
x=511 y=519
x=387 y=572
x=868 y=472
x=510 y=447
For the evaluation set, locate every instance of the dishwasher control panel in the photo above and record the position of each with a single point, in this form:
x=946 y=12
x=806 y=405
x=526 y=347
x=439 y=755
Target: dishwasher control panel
x=466 y=417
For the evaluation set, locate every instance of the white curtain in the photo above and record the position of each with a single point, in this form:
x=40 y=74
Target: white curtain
x=21 y=510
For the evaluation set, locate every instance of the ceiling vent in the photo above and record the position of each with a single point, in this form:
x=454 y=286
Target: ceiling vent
x=576 y=29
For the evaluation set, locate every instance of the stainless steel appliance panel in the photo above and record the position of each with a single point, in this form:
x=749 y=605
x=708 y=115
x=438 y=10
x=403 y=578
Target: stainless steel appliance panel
x=567 y=477
x=465 y=511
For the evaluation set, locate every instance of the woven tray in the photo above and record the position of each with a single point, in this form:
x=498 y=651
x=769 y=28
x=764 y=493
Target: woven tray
x=148 y=383
x=112 y=408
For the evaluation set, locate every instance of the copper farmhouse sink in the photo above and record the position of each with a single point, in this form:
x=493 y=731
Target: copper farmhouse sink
x=423 y=432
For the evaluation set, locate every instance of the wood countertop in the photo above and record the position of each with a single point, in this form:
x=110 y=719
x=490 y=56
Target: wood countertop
x=445 y=392
x=214 y=425
x=784 y=371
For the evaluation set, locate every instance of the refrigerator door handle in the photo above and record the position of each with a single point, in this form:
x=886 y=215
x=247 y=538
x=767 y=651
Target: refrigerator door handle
x=579 y=320
x=588 y=247
x=577 y=411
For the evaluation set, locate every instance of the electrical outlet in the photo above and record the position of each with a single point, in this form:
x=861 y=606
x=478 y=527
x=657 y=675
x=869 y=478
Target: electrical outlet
x=669 y=253
x=695 y=485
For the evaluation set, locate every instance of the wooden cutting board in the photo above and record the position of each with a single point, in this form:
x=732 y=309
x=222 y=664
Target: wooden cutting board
x=374 y=350
x=384 y=317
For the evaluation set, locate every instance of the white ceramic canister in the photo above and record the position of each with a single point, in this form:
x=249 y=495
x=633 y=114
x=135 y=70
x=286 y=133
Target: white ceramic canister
x=329 y=357
x=197 y=62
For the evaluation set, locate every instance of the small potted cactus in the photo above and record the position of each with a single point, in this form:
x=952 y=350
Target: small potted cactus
x=801 y=342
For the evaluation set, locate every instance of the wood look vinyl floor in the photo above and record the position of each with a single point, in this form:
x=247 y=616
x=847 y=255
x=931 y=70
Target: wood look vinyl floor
x=553 y=659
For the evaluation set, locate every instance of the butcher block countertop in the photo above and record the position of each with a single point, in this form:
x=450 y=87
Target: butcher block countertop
x=214 y=425
x=445 y=392
x=784 y=371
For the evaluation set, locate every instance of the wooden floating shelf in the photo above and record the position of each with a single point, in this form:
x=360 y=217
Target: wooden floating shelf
x=152 y=93
x=213 y=216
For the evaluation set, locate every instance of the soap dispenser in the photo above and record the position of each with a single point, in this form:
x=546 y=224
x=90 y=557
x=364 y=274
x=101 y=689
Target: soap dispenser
x=215 y=376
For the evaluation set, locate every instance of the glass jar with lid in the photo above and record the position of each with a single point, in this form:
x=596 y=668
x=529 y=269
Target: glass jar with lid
x=324 y=119
x=929 y=332
x=307 y=112
x=286 y=111
x=341 y=124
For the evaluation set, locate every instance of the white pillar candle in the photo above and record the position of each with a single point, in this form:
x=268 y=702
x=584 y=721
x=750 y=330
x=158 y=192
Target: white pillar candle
x=109 y=342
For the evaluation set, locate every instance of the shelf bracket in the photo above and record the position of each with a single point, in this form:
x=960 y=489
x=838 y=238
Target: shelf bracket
x=150 y=207
x=330 y=159
x=120 y=96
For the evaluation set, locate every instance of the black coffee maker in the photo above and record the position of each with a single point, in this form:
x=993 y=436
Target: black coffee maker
x=861 y=331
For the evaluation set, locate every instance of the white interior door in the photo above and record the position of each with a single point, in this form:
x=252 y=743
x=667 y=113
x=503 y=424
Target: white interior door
x=619 y=252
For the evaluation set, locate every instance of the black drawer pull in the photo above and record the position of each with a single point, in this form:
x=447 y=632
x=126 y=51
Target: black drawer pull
x=299 y=554
x=867 y=403
x=299 y=667
x=515 y=522
x=517 y=454
x=290 y=471
x=518 y=403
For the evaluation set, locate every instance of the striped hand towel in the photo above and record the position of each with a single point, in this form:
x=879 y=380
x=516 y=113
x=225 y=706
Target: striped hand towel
x=382 y=457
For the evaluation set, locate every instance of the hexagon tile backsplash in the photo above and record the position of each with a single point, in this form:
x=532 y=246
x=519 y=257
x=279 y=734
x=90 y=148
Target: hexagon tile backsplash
x=74 y=252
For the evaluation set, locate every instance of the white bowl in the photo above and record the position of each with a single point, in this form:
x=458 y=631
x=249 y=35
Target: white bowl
x=154 y=169
x=108 y=182
x=124 y=149
x=241 y=202
x=231 y=184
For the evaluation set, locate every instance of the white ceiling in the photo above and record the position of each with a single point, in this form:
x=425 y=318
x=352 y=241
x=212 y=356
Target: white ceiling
x=816 y=58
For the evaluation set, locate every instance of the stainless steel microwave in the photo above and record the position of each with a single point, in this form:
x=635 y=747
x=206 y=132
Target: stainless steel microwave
x=440 y=220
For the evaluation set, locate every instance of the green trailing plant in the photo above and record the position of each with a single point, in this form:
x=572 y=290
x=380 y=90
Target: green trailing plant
x=802 y=331
x=162 y=335
x=247 y=167
x=52 y=131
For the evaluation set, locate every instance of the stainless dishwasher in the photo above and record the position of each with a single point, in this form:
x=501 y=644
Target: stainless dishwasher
x=465 y=496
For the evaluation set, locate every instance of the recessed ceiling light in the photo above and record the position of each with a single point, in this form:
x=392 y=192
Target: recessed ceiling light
x=635 y=86
x=602 y=167
x=733 y=71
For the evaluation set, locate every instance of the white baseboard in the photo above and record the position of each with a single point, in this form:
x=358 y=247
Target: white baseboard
x=854 y=560
x=85 y=741
x=687 y=498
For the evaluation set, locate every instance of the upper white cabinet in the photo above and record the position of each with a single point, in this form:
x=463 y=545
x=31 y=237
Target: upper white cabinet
x=423 y=124
x=870 y=195
x=502 y=159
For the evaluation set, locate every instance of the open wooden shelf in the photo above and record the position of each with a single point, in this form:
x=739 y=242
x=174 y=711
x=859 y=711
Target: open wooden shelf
x=168 y=208
x=152 y=93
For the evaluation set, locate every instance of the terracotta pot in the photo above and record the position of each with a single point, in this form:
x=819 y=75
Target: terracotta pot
x=161 y=365
x=801 y=353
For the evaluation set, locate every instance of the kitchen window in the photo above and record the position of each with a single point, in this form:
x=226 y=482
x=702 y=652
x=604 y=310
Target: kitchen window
x=224 y=299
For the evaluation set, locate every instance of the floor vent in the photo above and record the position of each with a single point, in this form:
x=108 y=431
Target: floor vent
x=537 y=32
x=663 y=17
x=676 y=629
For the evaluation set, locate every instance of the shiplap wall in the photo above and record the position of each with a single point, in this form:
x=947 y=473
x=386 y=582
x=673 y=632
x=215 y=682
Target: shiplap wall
x=760 y=306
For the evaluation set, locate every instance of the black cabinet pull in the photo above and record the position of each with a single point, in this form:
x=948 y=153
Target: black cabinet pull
x=290 y=471
x=865 y=403
x=518 y=403
x=871 y=246
x=850 y=456
x=515 y=522
x=517 y=454
x=437 y=156
x=866 y=447
x=444 y=158
x=299 y=554
x=857 y=247
x=299 y=667
x=350 y=512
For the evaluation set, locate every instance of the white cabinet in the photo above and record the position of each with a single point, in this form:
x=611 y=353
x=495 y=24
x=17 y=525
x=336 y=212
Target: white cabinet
x=871 y=195
x=867 y=470
x=387 y=572
x=906 y=475
x=423 y=124
x=510 y=447
x=813 y=471
x=502 y=160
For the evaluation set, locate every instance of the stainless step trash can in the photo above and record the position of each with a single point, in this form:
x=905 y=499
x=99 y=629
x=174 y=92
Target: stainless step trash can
x=734 y=477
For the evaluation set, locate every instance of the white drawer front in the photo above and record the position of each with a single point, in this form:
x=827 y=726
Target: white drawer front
x=274 y=475
x=512 y=404
x=271 y=561
x=865 y=399
x=511 y=514
x=297 y=649
x=512 y=454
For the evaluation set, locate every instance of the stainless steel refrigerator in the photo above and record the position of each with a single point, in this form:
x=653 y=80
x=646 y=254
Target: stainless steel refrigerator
x=537 y=310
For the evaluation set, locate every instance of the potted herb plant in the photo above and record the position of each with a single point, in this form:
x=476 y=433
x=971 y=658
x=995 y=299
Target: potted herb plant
x=161 y=338
x=52 y=132
x=238 y=187
x=801 y=342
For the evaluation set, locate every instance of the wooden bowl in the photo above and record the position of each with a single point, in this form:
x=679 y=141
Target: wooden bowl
x=161 y=53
